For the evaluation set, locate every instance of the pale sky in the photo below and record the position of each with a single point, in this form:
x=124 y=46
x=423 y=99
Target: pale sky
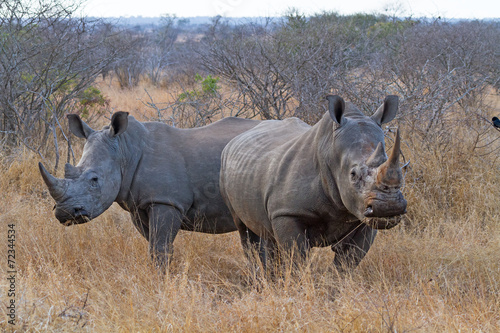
x=471 y=9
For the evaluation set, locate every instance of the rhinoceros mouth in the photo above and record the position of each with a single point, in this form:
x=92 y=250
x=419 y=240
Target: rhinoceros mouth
x=383 y=222
x=79 y=218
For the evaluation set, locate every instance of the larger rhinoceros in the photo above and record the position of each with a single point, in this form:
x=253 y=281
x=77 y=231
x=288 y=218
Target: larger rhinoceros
x=167 y=178
x=331 y=184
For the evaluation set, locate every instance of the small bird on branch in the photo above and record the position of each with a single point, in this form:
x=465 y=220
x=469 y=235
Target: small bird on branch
x=496 y=122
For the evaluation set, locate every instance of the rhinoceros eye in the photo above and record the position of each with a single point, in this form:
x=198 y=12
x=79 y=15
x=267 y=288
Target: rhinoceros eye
x=94 y=181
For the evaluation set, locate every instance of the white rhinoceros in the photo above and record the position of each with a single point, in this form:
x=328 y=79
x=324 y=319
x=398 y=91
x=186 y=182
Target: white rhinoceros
x=167 y=178
x=331 y=184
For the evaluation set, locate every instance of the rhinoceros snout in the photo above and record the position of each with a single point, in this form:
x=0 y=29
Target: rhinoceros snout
x=384 y=214
x=385 y=208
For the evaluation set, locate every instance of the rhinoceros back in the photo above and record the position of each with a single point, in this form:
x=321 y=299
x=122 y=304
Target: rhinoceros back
x=180 y=167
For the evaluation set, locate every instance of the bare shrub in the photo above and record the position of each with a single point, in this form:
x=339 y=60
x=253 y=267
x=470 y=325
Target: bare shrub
x=443 y=72
x=131 y=65
x=160 y=46
x=252 y=59
x=195 y=107
x=48 y=59
x=286 y=67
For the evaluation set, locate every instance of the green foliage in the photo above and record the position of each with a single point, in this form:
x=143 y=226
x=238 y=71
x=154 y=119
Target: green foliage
x=92 y=96
x=27 y=77
x=208 y=84
x=295 y=20
x=206 y=87
x=66 y=84
x=90 y=99
x=383 y=30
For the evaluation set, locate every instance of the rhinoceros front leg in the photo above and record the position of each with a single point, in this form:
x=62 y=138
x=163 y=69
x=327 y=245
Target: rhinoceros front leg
x=290 y=234
x=164 y=224
x=141 y=222
x=350 y=251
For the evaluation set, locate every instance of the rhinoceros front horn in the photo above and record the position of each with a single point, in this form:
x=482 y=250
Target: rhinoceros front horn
x=56 y=186
x=394 y=157
x=390 y=172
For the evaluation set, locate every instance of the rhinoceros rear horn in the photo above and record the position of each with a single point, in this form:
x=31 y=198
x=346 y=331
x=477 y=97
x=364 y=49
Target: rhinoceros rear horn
x=70 y=171
x=56 y=186
x=378 y=157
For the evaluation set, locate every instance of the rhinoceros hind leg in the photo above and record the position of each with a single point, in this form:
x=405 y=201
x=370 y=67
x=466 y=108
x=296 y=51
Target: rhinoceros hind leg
x=251 y=241
x=350 y=251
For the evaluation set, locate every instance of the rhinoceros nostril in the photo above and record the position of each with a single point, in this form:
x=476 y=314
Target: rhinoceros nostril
x=79 y=211
x=368 y=211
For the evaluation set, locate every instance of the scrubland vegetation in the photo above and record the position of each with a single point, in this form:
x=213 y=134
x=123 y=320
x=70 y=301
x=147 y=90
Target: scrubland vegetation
x=438 y=271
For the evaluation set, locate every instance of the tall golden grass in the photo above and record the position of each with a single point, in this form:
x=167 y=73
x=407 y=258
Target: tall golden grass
x=439 y=271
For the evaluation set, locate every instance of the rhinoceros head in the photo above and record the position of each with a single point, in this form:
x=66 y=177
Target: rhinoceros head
x=90 y=188
x=368 y=181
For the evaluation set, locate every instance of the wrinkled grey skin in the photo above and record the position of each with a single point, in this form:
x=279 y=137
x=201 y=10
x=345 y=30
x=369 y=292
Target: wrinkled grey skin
x=167 y=178
x=332 y=184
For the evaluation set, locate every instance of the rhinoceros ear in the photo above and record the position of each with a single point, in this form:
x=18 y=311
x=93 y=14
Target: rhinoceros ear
x=78 y=127
x=119 y=123
x=387 y=111
x=336 y=107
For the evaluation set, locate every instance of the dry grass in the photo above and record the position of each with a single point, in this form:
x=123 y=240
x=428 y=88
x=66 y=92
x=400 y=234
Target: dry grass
x=438 y=272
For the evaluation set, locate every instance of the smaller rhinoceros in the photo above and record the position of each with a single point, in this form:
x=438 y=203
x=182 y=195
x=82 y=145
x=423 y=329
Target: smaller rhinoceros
x=167 y=178
x=331 y=184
